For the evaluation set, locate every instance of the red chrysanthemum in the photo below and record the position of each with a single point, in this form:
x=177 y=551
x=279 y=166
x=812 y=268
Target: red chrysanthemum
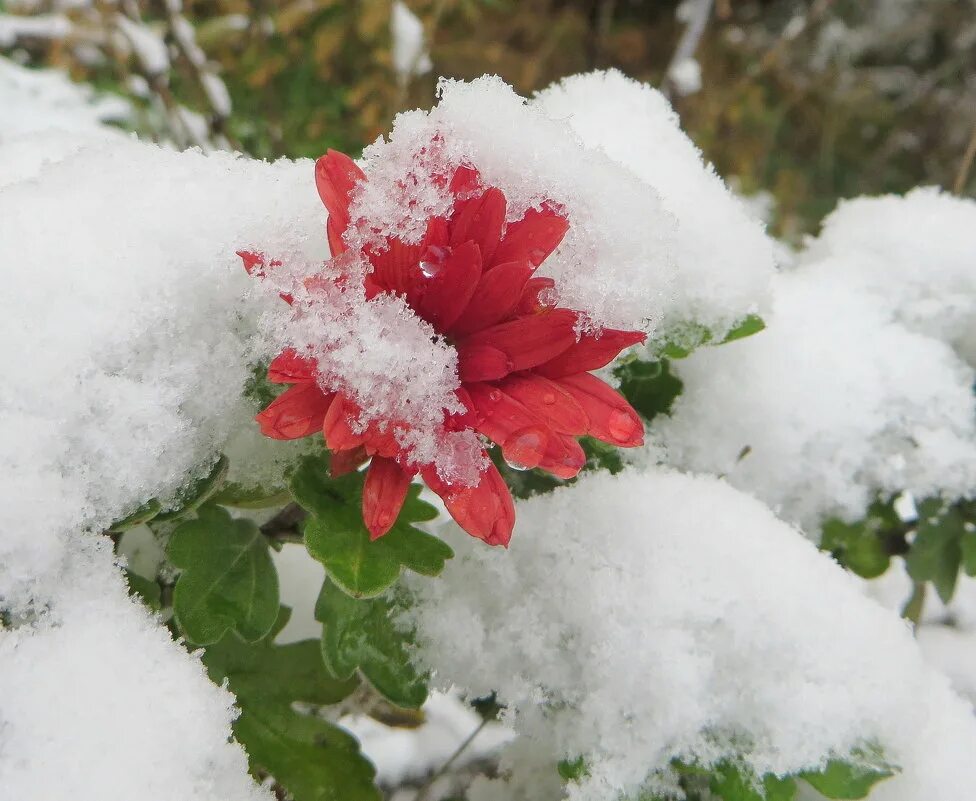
x=524 y=373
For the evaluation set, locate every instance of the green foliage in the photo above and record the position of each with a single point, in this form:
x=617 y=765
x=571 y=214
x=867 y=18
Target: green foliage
x=253 y=497
x=850 y=779
x=650 y=387
x=359 y=633
x=149 y=592
x=730 y=784
x=337 y=537
x=197 y=493
x=572 y=770
x=312 y=759
x=228 y=579
x=866 y=546
x=684 y=339
x=142 y=515
x=936 y=552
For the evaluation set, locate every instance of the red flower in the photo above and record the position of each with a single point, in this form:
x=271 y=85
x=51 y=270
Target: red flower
x=524 y=374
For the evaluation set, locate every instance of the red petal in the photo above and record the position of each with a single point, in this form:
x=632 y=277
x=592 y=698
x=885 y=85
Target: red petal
x=335 y=176
x=530 y=341
x=537 y=296
x=499 y=415
x=465 y=180
x=548 y=401
x=591 y=352
x=480 y=221
x=336 y=427
x=495 y=298
x=533 y=237
x=252 y=261
x=342 y=462
x=290 y=368
x=564 y=457
x=334 y=234
x=482 y=363
x=485 y=511
x=611 y=418
x=440 y=298
x=383 y=495
x=393 y=267
x=297 y=412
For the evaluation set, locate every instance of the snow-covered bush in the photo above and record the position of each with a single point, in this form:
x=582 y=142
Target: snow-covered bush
x=492 y=301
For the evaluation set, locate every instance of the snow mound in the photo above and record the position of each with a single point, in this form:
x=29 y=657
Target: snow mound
x=916 y=254
x=834 y=402
x=724 y=259
x=653 y=615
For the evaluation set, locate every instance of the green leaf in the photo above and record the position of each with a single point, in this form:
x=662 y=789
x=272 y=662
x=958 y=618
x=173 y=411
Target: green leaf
x=856 y=547
x=143 y=514
x=650 y=387
x=197 y=493
x=750 y=325
x=848 y=779
x=148 y=591
x=968 y=546
x=936 y=552
x=336 y=536
x=358 y=633
x=572 y=770
x=313 y=759
x=731 y=784
x=242 y=497
x=228 y=579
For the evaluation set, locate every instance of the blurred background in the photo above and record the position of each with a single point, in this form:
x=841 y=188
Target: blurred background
x=796 y=103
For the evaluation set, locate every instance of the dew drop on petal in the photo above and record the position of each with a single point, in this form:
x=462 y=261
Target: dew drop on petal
x=525 y=448
x=622 y=426
x=549 y=398
x=495 y=396
x=433 y=259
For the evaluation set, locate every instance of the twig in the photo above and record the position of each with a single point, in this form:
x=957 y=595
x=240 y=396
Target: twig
x=689 y=41
x=962 y=177
x=424 y=791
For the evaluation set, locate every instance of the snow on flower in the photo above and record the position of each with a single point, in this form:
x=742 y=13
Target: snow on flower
x=522 y=365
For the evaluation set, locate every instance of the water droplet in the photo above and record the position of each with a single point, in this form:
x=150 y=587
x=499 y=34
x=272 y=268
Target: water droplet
x=622 y=426
x=433 y=259
x=525 y=448
x=494 y=396
x=549 y=398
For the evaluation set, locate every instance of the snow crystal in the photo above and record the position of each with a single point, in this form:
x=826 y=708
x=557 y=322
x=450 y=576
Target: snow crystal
x=831 y=404
x=410 y=56
x=686 y=76
x=653 y=615
x=916 y=253
x=724 y=259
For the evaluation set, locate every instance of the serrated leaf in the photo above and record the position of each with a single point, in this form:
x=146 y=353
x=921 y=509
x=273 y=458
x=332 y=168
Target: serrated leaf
x=143 y=514
x=847 y=780
x=313 y=759
x=336 y=536
x=197 y=493
x=228 y=579
x=359 y=634
x=936 y=552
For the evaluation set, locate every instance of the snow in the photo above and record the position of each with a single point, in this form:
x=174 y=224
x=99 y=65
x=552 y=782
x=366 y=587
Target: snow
x=40 y=26
x=148 y=45
x=410 y=55
x=634 y=255
x=834 y=402
x=916 y=254
x=653 y=615
x=724 y=259
x=686 y=76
